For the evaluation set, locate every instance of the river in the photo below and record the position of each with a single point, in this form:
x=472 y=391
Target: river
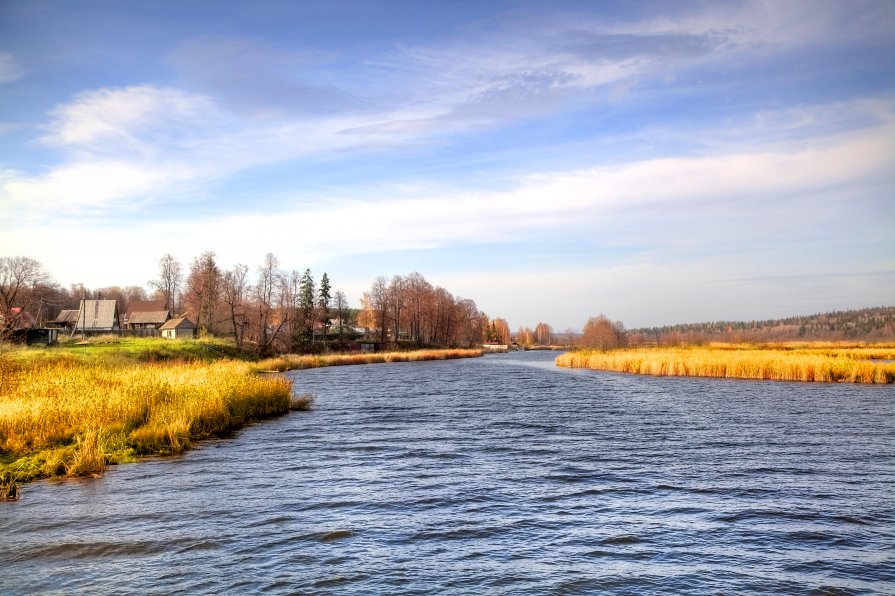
x=501 y=474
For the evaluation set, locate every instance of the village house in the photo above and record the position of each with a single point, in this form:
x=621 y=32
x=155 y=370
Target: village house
x=98 y=316
x=67 y=319
x=146 y=314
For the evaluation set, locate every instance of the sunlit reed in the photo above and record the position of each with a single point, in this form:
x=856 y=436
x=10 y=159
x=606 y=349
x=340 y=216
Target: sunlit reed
x=298 y=362
x=72 y=413
x=785 y=362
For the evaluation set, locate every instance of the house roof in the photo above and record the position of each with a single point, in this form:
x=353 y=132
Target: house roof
x=67 y=316
x=98 y=314
x=179 y=323
x=148 y=317
x=144 y=306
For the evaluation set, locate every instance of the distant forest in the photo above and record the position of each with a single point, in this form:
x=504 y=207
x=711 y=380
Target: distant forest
x=866 y=324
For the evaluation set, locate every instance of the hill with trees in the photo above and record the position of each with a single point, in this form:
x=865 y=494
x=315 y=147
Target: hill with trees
x=867 y=324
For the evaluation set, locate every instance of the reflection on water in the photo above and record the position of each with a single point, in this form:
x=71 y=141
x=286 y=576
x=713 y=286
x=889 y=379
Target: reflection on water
x=495 y=475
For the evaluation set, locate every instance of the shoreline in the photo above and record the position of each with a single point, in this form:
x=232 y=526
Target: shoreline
x=72 y=412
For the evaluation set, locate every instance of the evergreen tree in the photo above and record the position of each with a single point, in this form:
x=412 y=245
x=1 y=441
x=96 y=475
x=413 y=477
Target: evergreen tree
x=306 y=306
x=324 y=298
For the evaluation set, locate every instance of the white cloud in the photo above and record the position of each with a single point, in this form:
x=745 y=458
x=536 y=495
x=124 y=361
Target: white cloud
x=91 y=184
x=749 y=199
x=134 y=118
x=9 y=70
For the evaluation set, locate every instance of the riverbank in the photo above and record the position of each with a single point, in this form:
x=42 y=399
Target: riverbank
x=299 y=362
x=827 y=362
x=72 y=410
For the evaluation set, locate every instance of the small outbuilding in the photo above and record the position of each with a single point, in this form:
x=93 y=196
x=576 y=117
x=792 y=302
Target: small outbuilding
x=42 y=336
x=180 y=328
x=67 y=319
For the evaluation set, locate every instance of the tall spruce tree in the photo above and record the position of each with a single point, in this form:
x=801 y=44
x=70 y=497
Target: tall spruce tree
x=306 y=306
x=324 y=299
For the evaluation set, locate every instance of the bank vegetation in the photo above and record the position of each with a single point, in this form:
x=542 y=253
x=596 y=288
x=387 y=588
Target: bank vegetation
x=810 y=362
x=73 y=410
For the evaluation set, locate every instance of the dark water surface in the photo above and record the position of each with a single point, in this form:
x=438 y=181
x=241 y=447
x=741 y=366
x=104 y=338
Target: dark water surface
x=494 y=475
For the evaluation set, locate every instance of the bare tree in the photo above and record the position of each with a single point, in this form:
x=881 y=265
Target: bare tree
x=269 y=295
x=396 y=290
x=22 y=281
x=235 y=289
x=379 y=301
x=134 y=294
x=340 y=304
x=501 y=330
x=169 y=280
x=418 y=291
x=603 y=334
x=543 y=334
x=203 y=286
x=366 y=316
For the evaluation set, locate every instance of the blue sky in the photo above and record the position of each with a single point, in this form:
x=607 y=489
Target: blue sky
x=659 y=162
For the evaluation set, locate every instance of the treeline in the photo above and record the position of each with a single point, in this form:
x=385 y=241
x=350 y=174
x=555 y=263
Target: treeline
x=270 y=309
x=866 y=324
x=410 y=309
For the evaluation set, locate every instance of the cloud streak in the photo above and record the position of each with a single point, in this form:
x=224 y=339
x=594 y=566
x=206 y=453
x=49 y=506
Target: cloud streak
x=10 y=71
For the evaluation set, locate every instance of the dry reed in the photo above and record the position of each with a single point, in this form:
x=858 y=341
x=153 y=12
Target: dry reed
x=786 y=362
x=299 y=362
x=70 y=414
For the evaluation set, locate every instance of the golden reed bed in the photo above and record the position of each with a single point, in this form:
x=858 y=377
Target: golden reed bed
x=297 y=362
x=72 y=411
x=819 y=363
x=62 y=416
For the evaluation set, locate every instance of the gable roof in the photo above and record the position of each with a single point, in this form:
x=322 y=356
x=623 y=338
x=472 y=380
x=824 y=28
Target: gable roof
x=67 y=316
x=179 y=323
x=144 y=306
x=98 y=314
x=148 y=317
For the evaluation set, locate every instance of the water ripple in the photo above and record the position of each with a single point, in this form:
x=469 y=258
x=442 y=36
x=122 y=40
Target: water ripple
x=500 y=475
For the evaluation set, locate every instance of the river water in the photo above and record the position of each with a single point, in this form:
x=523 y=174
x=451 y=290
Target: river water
x=502 y=474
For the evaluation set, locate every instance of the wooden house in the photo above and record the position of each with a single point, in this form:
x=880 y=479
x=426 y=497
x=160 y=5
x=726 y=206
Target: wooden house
x=67 y=319
x=180 y=328
x=153 y=319
x=146 y=314
x=98 y=316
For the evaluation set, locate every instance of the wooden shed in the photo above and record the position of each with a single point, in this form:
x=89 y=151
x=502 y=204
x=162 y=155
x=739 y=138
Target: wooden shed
x=67 y=319
x=180 y=328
